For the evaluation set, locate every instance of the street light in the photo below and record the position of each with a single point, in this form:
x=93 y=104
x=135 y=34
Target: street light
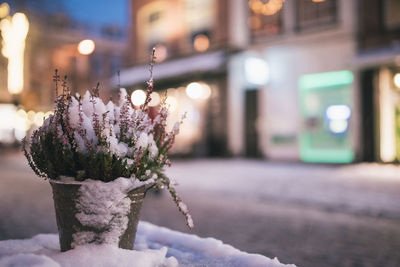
x=14 y=31
x=4 y=10
x=86 y=47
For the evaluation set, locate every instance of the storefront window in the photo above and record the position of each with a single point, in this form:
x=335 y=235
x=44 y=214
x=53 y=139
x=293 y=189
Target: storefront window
x=313 y=13
x=193 y=101
x=391 y=16
x=265 y=17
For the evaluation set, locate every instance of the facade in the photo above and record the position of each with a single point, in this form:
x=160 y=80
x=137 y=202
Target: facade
x=307 y=108
x=290 y=80
x=379 y=65
x=193 y=40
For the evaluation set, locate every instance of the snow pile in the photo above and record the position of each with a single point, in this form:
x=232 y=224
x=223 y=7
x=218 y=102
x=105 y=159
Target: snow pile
x=156 y=246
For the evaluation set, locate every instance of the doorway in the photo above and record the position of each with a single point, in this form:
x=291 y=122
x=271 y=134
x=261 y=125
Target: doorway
x=251 y=131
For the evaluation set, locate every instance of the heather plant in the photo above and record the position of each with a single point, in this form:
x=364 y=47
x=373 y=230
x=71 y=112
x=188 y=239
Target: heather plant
x=87 y=139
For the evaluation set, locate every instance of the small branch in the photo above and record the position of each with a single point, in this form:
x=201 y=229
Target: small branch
x=150 y=83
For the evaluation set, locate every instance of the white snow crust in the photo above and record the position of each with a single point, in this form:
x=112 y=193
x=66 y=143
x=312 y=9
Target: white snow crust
x=103 y=206
x=155 y=246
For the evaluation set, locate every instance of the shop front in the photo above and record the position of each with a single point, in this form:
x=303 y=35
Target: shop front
x=194 y=87
x=381 y=113
x=326 y=105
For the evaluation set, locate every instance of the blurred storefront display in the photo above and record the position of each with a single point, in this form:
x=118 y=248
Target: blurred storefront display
x=191 y=41
x=379 y=65
x=325 y=104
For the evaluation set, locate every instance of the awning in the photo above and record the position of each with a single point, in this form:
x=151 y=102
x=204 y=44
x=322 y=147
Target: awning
x=177 y=67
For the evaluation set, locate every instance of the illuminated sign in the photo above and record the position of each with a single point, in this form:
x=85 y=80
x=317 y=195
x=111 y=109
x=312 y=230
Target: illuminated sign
x=325 y=102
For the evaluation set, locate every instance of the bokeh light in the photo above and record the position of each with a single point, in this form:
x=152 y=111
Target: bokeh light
x=138 y=97
x=155 y=99
x=201 y=42
x=86 y=47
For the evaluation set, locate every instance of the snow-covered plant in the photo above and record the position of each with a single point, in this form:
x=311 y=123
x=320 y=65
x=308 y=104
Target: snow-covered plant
x=87 y=139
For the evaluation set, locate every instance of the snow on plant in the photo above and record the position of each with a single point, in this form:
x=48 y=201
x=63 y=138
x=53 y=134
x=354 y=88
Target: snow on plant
x=87 y=139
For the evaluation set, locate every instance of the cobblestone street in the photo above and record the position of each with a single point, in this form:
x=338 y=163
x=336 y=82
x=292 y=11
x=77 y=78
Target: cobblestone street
x=310 y=215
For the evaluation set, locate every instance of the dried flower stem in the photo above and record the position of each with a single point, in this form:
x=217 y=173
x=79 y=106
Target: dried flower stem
x=150 y=82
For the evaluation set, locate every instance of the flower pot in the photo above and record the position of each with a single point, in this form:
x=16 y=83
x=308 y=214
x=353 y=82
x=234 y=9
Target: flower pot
x=98 y=216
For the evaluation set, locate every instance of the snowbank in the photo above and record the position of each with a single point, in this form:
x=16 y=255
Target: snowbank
x=156 y=246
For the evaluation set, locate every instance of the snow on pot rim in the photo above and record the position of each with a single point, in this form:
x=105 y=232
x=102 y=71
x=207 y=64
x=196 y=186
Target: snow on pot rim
x=126 y=184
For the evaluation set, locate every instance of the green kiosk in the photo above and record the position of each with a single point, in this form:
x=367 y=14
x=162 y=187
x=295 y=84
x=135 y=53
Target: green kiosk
x=326 y=109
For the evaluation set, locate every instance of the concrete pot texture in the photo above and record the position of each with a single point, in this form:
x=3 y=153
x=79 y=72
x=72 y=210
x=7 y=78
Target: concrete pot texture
x=66 y=195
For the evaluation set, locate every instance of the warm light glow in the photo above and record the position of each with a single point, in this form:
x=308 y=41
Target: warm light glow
x=31 y=115
x=269 y=8
x=13 y=32
x=161 y=52
x=138 y=97
x=201 y=43
x=172 y=103
x=155 y=99
x=396 y=80
x=206 y=91
x=318 y=1
x=47 y=114
x=197 y=90
x=256 y=71
x=386 y=117
x=7 y=112
x=22 y=114
x=4 y=10
x=194 y=90
x=86 y=47
x=38 y=119
x=254 y=22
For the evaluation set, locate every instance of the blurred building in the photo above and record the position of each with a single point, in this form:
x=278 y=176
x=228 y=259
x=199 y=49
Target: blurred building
x=194 y=41
x=52 y=43
x=253 y=56
x=379 y=65
x=306 y=106
x=310 y=80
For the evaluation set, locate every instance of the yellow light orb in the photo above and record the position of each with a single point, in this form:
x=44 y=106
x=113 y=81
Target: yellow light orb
x=31 y=115
x=22 y=114
x=396 y=80
x=201 y=42
x=86 y=47
x=155 y=99
x=138 y=97
x=194 y=90
x=4 y=10
x=206 y=91
x=38 y=119
x=172 y=103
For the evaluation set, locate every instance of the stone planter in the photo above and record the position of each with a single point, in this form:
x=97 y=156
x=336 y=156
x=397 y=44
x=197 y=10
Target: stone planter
x=101 y=220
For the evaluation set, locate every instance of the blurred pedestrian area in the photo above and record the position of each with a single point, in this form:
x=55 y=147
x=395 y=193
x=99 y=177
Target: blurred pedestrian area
x=367 y=189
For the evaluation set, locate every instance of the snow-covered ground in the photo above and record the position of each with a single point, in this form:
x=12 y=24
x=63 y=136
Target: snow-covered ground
x=307 y=214
x=156 y=246
x=367 y=188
